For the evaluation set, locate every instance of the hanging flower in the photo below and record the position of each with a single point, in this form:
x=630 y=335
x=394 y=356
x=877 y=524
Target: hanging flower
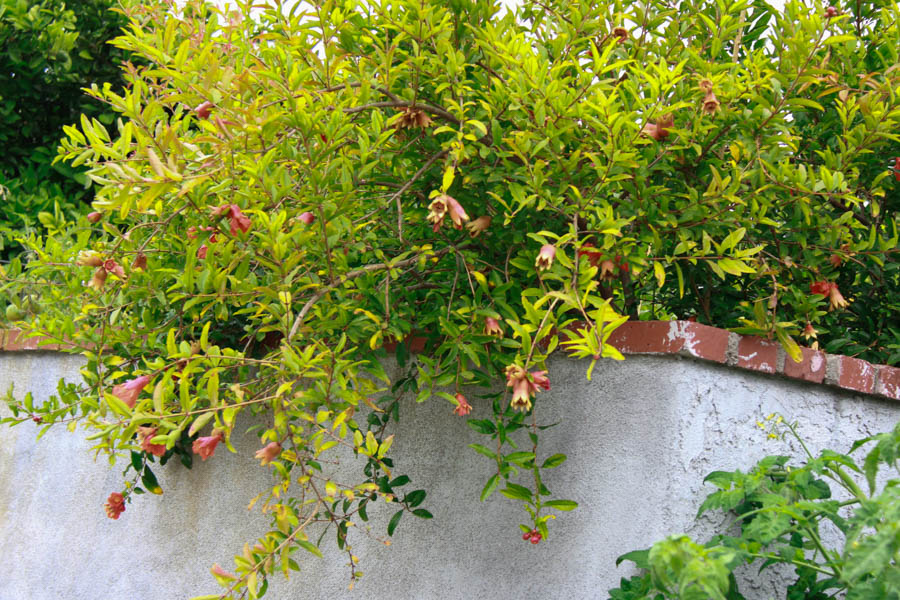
x=145 y=434
x=525 y=385
x=455 y=210
x=206 y=446
x=203 y=109
x=819 y=287
x=238 y=220
x=462 y=406
x=710 y=103
x=140 y=262
x=809 y=332
x=492 y=327
x=88 y=258
x=835 y=299
x=706 y=85
x=94 y=217
x=659 y=130
x=307 y=218
x=436 y=211
x=540 y=379
x=201 y=251
x=115 y=505
x=98 y=280
x=829 y=289
x=478 y=225
x=545 y=257
x=129 y=391
x=269 y=453
x=115 y=268
x=607 y=269
x=621 y=34
x=897 y=168
x=412 y=117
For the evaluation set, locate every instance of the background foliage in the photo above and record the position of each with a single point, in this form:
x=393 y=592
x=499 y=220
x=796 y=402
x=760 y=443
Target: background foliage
x=284 y=190
x=51 y=49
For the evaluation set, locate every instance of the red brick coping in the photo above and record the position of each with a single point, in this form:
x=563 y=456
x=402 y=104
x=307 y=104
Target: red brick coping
x=686 y=338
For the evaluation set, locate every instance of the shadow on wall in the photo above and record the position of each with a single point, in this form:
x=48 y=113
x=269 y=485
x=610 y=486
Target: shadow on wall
x=640 y=438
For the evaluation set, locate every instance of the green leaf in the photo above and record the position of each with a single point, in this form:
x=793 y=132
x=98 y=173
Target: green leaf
x=516 y=492
x=490 y=486
x=309 y=547
x=148 y=479
x=483 y=451
x=395 y=520
x=554 y=461
x=564 y=505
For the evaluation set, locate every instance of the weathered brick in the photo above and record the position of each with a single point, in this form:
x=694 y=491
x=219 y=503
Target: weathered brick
x=703 y=341
x=647 y=337
x=888 y=382
x=757 y=354
x=16 y=341
x=810 y=368
x=857 y=375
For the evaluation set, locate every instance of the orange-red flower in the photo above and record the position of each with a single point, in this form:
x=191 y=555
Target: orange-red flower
x=590 y=252
x=829 y=289
x=809 y=332
x=462 y=406
x=819 y=287
x=201 y=251
x=492 y=327
x=206 y=446
x=545 y=257
x=145 y=434
x=115 y=505
x=835 y=299
x=269 y=453
x=897 y=168
x=129 y=391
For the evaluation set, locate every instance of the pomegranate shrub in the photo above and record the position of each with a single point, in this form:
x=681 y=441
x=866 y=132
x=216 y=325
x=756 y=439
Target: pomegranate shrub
x=293 y=189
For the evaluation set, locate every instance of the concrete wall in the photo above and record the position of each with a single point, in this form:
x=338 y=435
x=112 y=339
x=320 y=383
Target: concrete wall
x=640 y=438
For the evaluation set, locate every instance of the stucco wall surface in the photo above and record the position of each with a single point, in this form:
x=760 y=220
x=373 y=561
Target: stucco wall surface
x=640 y=438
